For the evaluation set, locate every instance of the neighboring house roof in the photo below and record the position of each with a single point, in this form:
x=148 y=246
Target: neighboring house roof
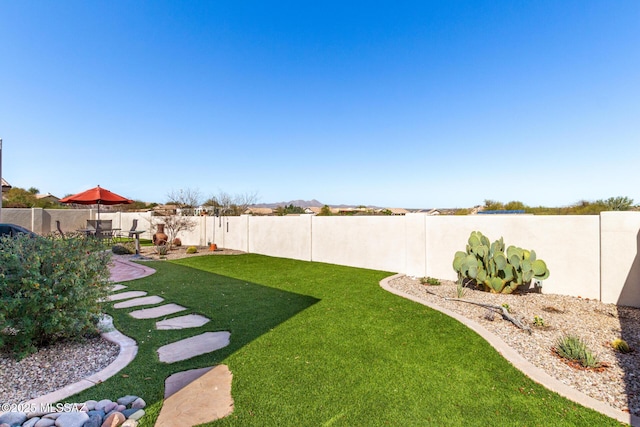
x=5 y=185
x=313 y=209
x=398 y=211
x=259 y=211
x=48 y=197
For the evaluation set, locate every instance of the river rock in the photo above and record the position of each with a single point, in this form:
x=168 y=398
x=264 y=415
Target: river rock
x=13 y=418
x=72 y=419
x=95 y=420
x=45 y=422
x=32 y=422
x=90 y=404
x=100 y=413
x=101 y=405
x=137 y=415
x=114 y=420
x=139 y=403
x=127 y=400
x=130 y=423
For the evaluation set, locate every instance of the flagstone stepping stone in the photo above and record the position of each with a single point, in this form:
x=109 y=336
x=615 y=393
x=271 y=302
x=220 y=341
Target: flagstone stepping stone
x=152 y=313
x=117 y=287
x=179 y=380
x=203 y=400
x=193 y=346
x=126 y=295
x=153 y=299
x=182 y=322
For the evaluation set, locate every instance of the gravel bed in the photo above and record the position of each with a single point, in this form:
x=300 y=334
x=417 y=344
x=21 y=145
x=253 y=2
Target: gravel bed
x=618 y=384
x=52 y=368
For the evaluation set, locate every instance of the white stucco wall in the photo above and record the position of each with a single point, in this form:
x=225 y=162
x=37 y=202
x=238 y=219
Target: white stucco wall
x=620 y=259
x=287 y=237
x=589 y=256
x=376 y=242
x=570 y=245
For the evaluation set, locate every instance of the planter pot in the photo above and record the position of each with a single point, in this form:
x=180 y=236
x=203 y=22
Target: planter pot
x=160 y=238
x=213 y=247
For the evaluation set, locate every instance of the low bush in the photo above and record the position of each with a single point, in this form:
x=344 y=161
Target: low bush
x=125 y=248
x=192 y=250
x=49 y=290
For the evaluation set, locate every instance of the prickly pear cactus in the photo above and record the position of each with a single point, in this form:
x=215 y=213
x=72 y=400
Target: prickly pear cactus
x=496 y=270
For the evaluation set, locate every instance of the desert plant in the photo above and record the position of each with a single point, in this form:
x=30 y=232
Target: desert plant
x=572 y=348
x=506 y=307
x=49 y=290
x=538 y=321
x=430 y=281
x=162 y=250
x=192 y=250
x=620 y=345
x=495 y=270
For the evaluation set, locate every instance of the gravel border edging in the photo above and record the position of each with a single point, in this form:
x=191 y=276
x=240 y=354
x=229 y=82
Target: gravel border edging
x=533 y=372
x=128 y=351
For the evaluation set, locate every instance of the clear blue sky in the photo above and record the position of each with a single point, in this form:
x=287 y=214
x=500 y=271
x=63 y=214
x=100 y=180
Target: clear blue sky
x=388 y=103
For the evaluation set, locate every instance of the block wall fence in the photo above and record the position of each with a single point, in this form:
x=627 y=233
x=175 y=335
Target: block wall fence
x=592 y=256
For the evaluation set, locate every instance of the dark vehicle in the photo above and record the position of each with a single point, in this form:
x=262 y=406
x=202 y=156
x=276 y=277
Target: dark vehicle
x=13 y=229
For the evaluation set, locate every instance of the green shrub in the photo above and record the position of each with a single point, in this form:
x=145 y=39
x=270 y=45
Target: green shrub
x=573 y=348
x=49 y=290
x=125 y=248
x=192 y=250
x=495 y=269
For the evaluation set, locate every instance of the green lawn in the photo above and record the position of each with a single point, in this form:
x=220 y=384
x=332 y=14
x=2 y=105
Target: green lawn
x=317 y=345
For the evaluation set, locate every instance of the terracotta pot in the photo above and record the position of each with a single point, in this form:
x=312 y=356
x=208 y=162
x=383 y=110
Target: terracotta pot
x=160 y=238
x=213 y=247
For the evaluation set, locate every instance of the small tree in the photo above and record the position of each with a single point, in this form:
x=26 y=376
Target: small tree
x=325 y=211
x=186 y=200
x=231 y=205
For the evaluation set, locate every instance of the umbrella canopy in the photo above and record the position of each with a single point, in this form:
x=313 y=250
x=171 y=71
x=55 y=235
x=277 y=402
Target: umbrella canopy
x=96 y=196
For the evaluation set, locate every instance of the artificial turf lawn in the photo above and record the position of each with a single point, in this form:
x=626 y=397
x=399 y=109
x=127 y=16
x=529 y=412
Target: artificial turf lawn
x=316 y=344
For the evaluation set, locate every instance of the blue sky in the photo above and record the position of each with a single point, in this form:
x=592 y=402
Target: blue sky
x=398 y=104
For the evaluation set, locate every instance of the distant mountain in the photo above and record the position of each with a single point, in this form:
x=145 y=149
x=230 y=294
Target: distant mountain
x=305 y=204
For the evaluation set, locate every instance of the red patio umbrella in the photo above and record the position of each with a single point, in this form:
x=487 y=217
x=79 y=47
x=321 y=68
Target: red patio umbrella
x=96 y=196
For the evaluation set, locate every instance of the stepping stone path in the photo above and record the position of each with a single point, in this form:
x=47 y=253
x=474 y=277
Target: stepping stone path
x=154 y=299
x=191 y=397
x=194 y=346
x=204 y=399
x=182 y=322
x=155 y=312
x=126 y=295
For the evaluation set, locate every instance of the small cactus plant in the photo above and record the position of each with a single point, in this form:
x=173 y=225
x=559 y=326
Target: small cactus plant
x=430 y=281
x=192 y=250
x=538 y=321
x=620 y=345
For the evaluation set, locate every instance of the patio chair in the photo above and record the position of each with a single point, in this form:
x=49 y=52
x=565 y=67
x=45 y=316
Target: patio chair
x=133 y=227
